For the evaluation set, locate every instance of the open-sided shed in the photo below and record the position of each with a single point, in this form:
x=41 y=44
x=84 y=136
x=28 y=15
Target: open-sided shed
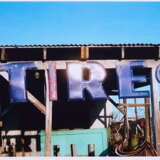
x=37 y=115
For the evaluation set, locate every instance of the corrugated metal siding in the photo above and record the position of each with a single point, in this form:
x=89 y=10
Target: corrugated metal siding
x=79 y=45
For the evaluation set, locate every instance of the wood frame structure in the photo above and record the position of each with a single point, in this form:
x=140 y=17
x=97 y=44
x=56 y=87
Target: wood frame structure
x=47 y=110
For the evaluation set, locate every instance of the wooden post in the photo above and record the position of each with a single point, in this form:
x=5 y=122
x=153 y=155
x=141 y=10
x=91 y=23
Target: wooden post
x=122 y=53
x=156 y=111
x=48 y=119
x=126 y=120
x=147 y=120
x=23 y=143
x=91 y=150
x=13 y=144
x=1 y=147
x=84 y=53
x=105 y=118
x=158 y=51
x=44 y=53
x=73 y=150
x=3 y=54
x=136 y=113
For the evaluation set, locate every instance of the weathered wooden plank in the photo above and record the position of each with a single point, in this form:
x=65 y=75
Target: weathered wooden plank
x=3 y=54
x=36 y=103
x=13 y=144
x=48 y=119
x=91 y=151
x=147 y=119
x=156 y=111
x=73 y=150
x=84 y=53
x=133 y=105
x=44 y=53
x=126 y=120
x=158 y=51
x=132 y=118
x=122 y=53
x=23 y=143
x=136 y=112
x=106 y=63
x=1 y=124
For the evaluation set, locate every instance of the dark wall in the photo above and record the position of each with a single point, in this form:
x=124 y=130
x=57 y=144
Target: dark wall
x=66 y=114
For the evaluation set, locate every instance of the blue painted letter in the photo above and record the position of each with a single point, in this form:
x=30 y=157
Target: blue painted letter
x=126 y=80
x=77 y=84
x=17 y=77
x=158 y=73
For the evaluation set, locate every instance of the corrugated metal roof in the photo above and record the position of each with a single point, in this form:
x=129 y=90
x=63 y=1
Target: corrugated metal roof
x=80 y=45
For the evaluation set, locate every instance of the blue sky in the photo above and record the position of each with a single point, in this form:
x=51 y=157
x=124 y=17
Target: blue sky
x=79 y=22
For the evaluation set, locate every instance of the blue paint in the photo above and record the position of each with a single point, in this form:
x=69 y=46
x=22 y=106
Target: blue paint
x=126 y=80
x=158 y=73
x=76 y=83
x=17 y=78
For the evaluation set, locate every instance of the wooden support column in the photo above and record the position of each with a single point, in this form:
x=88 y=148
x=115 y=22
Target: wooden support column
x=122 y=53
x=158 y=51
x=23 y=143
x=147 y=119
x=3 y=54
x=48 y=119
x=126 y=120
x=136 y=113
x=84 y=53
x=1 y=147
x=44 y=53
x=73 y=150
x=156 y=111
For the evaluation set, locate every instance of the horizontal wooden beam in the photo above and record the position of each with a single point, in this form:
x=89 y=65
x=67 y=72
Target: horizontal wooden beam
x=36 y=103
x=107 y=64
x=133 y=105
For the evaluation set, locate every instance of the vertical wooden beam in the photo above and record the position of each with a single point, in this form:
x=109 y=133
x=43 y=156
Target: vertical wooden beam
x=3 y=143
x=91 y=150
x=73 y=150
x=48 y=119
x=158 y=51
x=156 y=111
x=126 y=120
x=23 y=143
x=147 y=120
x=13 y=144
x=1 y=148
x=44 y=53
x=3 y=54
x=84 y=53
x=136 y=113
x=105 y=117
x=122 y=53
